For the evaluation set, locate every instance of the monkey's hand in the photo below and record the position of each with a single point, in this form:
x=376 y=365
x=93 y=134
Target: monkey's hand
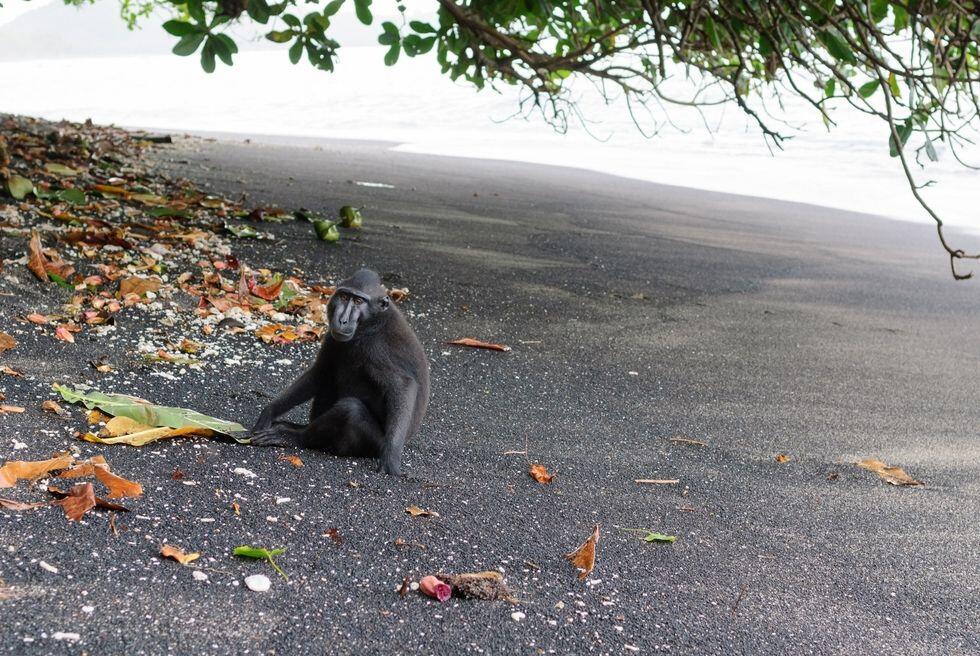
x=264 y=422
x=275 y=436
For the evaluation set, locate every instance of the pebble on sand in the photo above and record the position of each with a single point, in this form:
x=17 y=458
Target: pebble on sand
x=258 y=583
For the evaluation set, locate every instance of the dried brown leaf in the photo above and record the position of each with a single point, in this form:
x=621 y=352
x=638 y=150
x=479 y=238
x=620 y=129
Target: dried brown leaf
x=476 y=343
x=415 y=511
x=294 y=460
x=178 y=554
x=14 y=470
x=138 y=286
x=7 y=342
x=10 y=504
x=540 y=474
x=119 y=487
x=584 y=557
x=891 y=475
x=78 y=501
x=782 y=457
x=52 y=406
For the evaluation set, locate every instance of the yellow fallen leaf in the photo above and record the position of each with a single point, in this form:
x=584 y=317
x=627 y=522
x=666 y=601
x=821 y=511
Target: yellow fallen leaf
x=891 y=475
x=178 y=554
x=147 y=436
x=584 y=557
x=122 y=426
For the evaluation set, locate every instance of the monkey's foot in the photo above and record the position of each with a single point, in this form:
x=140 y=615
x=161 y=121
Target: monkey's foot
x=276 y=436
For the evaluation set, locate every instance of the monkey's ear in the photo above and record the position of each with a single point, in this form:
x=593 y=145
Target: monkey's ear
x=385 y=302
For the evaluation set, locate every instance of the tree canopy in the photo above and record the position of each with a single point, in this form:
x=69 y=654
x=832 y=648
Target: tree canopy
x=913 y=64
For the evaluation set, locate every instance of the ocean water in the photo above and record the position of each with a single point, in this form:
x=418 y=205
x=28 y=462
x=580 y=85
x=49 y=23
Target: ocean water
x=413 y=105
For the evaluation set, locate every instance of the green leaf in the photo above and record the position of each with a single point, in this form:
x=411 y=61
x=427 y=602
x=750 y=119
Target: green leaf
x=391 y=57
x=180 y=28
x=931 y=151
x=296 y=51
x=350 y=217
x=363 y=10
x=18 y=186
x=58 y=280
x=241 y=231
x=258 y=10
x=830 y=87
x=868 y=89
x=893 y=85
x=422 y=28
x=659 y=537
x=332 y=8
x=425 y=45
x=196 y=10
x=168 y=211
x=188 y=45
x=122 y=405
x=879 y=10
x=291 y=20
x=280 y=36
x=76 y=196
x=326 y=230
x=60 y=169
x=837 y=46
x=207 y=56
x=221 y=48
x=904 y=132
x=389 y=35
x=712 y=31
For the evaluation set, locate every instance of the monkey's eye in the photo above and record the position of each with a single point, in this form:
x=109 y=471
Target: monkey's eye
x=358 y=301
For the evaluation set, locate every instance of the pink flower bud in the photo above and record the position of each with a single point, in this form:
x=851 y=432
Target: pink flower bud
x=435 y=588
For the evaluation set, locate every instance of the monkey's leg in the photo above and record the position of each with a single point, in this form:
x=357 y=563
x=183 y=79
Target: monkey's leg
x=346 y=429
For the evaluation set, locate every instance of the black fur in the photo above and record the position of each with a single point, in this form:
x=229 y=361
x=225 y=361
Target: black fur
x=369 y=383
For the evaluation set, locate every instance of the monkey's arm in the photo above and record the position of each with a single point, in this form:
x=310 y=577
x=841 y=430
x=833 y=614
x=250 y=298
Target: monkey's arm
x=300 y=391
x=400 y=403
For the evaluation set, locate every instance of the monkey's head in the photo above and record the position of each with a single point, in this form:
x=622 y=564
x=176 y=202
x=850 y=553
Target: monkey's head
x=356 y=304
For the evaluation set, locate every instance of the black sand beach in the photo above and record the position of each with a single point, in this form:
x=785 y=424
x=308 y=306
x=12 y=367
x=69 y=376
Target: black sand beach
x=636 y=313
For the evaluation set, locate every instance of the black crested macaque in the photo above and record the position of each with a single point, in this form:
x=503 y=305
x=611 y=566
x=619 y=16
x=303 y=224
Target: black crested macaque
x=369 y=382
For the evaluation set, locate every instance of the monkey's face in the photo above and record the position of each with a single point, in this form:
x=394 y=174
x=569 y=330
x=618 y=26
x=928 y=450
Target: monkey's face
x=351 y=309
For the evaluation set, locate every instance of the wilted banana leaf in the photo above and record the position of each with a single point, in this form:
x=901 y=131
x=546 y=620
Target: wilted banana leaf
x=144 y=412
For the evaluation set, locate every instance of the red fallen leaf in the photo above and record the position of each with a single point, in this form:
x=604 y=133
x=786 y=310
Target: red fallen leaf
x=435 y=588
x=540 y=474
x=475 y=343
x=40 y=265
x=584 y=557
x=62 y=333
x=268 y=292
x=78 y=501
